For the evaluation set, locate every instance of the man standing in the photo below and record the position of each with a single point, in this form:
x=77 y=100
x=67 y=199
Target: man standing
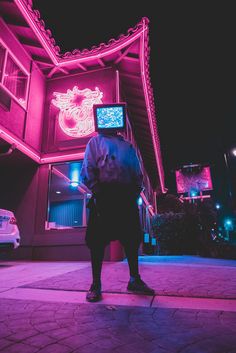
x=111 y=170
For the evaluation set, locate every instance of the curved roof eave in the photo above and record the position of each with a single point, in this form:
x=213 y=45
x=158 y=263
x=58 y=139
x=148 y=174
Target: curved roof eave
x=104 y=49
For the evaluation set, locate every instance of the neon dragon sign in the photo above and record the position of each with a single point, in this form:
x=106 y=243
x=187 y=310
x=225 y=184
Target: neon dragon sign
x=76 y=110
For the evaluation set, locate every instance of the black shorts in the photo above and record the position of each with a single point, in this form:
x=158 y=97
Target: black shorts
x=114 y=215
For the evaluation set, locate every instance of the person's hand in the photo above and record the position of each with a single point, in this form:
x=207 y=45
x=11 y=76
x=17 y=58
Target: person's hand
x=96 y=189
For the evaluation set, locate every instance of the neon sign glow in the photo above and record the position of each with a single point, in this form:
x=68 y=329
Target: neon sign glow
x=76 y=110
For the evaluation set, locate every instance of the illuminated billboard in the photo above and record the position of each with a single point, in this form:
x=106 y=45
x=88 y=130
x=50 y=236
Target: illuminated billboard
x=193 y=178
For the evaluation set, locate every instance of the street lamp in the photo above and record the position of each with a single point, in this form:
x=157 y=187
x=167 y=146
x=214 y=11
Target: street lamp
x=228 y=175
x=226 y=159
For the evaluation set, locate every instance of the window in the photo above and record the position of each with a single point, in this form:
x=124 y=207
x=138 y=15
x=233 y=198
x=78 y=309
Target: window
x=2 y=58
x=13 y=77
x=67 y=199
x=15 y=80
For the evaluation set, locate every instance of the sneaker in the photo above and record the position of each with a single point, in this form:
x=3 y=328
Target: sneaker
x=139 y=286
x=94 y=294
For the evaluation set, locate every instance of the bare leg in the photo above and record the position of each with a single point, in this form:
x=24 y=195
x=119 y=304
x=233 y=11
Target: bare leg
x=97 y=255
x=136 y=284
x=132 y=257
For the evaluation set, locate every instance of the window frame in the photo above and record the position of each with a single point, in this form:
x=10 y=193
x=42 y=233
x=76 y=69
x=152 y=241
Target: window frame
x=47 y=226
x=8 y=53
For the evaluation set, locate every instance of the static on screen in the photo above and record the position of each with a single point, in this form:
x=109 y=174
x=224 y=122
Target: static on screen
x=110 y=117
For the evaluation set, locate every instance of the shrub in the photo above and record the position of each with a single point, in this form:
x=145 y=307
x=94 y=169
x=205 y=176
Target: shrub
x=183 y=228
x=171 y=230
x=169 y=203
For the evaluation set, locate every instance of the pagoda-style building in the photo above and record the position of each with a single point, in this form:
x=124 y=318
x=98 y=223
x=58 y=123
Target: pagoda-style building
x=46 y=120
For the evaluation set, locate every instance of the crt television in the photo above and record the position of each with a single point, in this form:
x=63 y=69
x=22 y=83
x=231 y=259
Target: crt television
x=109 y=117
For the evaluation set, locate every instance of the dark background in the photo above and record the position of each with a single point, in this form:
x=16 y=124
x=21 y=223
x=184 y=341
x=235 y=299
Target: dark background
x=192 y=66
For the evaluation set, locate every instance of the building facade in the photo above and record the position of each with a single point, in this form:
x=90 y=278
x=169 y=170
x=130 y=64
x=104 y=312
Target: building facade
x=46 y=120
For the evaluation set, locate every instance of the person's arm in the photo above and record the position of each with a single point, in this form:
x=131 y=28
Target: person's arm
x=137 y=172
x=89 y=173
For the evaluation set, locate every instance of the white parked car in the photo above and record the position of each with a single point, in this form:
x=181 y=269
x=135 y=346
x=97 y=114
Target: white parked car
x=9 y=231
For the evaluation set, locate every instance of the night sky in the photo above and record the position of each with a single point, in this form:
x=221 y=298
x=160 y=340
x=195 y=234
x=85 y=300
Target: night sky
x=192 y=66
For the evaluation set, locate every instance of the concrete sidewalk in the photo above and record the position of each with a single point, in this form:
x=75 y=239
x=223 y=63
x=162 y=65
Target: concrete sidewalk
x=185 y=276
x=41 y=311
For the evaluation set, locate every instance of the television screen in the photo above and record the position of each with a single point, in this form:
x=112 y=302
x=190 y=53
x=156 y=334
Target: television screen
x=109 y=117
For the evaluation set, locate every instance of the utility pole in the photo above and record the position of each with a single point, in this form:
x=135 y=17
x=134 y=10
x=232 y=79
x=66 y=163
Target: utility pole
x=229 y=186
